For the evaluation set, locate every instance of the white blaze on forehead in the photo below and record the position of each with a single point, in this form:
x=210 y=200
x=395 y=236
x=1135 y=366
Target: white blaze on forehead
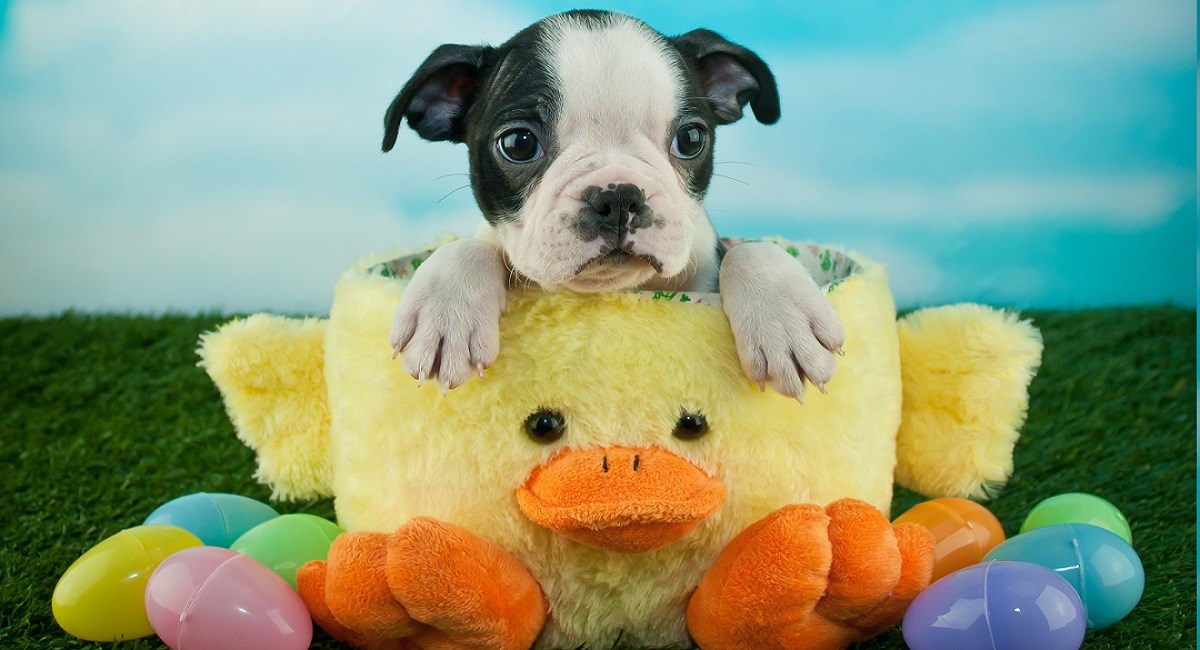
x=620 y=87
x=615 y=76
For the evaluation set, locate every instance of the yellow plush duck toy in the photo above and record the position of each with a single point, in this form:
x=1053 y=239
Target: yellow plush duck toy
x=615 y=475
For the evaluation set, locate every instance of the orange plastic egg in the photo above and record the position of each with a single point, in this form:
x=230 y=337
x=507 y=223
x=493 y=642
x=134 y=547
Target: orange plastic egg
x=963 y=531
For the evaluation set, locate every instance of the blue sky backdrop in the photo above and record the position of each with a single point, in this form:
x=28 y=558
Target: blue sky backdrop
x=183 y=155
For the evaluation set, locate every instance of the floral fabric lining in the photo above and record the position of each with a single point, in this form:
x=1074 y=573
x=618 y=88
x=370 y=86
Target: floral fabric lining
x=828 y=266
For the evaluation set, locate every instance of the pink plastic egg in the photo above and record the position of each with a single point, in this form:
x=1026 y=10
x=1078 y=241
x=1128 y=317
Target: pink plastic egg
x=209 y=598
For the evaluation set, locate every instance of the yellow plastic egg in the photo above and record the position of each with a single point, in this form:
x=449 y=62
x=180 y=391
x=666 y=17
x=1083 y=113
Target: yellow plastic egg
x=101 y=595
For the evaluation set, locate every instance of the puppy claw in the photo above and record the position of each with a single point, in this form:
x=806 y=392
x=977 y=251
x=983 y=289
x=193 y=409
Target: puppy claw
x=448 y=318
x=798 y=393
x=784 y=326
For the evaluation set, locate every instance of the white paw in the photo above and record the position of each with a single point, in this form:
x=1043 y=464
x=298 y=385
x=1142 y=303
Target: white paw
x=785 y=329
x=447 y=325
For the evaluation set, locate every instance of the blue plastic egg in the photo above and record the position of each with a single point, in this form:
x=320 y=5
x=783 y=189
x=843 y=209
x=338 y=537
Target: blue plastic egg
x=997 y=606
x=1105 y=570
x=216 y=518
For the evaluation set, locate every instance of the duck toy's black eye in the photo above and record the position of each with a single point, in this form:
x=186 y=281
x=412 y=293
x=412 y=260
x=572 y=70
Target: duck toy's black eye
x=690 y=426
x=545 y=426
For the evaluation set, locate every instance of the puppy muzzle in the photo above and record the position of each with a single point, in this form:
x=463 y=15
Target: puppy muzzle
x=613 y=214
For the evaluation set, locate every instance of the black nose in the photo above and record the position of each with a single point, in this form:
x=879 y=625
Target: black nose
x=615 y=202
x=612 y=212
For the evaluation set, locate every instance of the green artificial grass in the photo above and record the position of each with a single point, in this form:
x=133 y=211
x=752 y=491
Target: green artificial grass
x=103 y=418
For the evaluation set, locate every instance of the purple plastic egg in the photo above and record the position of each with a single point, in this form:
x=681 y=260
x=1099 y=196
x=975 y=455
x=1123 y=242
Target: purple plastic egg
x=997 y=605
x=209 y=598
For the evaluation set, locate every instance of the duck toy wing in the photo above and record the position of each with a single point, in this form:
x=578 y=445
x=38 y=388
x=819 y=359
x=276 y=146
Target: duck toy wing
x=965 y=372
x=270 y=371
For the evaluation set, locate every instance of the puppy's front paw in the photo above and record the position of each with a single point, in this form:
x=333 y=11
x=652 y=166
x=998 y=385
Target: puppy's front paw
x=785 y=329
x=440 y=338
x=447 y=324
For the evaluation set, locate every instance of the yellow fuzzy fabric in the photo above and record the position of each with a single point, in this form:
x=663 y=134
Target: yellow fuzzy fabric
x=966 y=375
x=271 y=373
x=620 y=369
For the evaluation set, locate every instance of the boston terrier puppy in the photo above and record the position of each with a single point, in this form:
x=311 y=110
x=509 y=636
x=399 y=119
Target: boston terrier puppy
x=590 y=137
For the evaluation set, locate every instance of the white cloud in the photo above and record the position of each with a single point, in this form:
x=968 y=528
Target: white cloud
x=183 y=155
x=265 y=251
x=1047 y=109
x=45 y=35
x=162 y=153
x=1015 y=58
x=177 y=92
x=1015 y=285
x=917 y=279
x=1088 y=33
x=1127 y=200
x=913 y=275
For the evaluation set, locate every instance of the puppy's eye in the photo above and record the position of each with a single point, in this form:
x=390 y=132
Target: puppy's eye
x=689 y=142
x=690 y=426
x=545 y=425
x=519 y=146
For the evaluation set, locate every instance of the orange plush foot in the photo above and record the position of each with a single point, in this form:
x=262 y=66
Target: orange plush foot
x=810 y=577
x=428 y=585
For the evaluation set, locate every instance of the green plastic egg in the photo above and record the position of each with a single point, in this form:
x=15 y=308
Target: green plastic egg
x=285 y=543
x=101 y=595
x=1078 y=508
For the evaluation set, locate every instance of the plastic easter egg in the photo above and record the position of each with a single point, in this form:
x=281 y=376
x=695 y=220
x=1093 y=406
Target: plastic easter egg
x=216 y=518
x=285 y=543
x=1078 y=508
x=99 y=597
x=996 y=606
x=963 y=532
x=210 y=598
x=1105 y=570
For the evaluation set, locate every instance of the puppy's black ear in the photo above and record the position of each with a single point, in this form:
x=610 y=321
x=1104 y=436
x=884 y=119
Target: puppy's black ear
x=731 y=76
x=436 y=99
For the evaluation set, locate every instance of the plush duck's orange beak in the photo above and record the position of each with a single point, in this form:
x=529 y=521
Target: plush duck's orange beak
x=620 y=499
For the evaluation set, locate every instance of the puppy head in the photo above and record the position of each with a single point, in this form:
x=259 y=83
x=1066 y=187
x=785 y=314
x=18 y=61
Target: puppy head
x=591 y=141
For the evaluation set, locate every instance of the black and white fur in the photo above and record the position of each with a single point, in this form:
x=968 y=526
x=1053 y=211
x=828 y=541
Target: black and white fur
x=612 y=198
